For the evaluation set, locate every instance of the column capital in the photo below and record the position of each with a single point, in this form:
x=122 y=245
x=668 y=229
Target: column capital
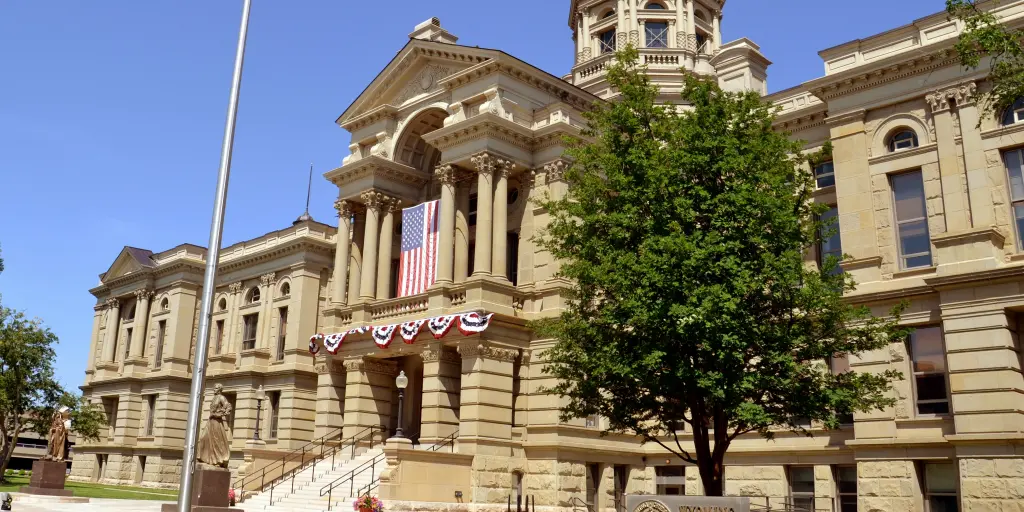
x=235 y=287
x=143 y=294
x=446 y=174
x=373 y=200
x=476 y=348
x=344 y=208
x=487 y=162
x=369 y=365
x=964 y=94
x=268 y=278
x=555 y=171
x=112 y=303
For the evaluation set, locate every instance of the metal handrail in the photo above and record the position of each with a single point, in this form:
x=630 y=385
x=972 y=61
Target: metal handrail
x=575 y=501
x=328 y=490
x=448 y=441
x=350 y=443
x=285 y=459
x=787 y=505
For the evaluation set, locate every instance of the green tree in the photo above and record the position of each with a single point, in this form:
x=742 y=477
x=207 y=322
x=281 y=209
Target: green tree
x=984 y=37
x=683 y=234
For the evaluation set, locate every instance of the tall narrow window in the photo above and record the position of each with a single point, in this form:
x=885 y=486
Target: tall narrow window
x=110 y=409
x=275 y=413
x=607 y=41
x=929 y=360
x=846 y=489
x=282 y=332
x=593 y=483
x=841 y=364
x=656 y=33
x=621 y=475
x=396 y=266
x=161 y=334
x=1014 y=164
x=911 y=220
x=825 y=174
x=801 y=487
x=940 y=487
x=232 y=398
x=127 y=343
x=830 y=244
x=150 y=414
x=219 y=336
x=473 y=201
x=512 y=257
x=249 y=323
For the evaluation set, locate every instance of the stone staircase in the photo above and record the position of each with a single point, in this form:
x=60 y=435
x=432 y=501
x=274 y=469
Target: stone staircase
x=348 y=478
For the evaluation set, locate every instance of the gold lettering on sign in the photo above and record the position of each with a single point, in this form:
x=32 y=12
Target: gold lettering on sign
x=704 y=508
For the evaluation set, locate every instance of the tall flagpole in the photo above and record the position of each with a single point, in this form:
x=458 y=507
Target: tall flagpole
x=195 y=405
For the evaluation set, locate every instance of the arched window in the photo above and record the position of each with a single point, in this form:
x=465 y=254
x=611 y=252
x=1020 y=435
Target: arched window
x=223 y=304
x=253 y=296
x=1014 y=114
x=165 y=304
x=286 y=289
x=903 y=138
x=608 y=14
x=654 y=5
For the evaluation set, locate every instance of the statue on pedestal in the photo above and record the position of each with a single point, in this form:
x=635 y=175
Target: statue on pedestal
x=215 y=442
x=57 y=443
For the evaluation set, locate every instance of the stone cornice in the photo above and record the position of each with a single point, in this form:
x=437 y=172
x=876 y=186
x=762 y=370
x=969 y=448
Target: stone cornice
x=885 y=71
x=494 y=127
x=368 y=365
x=370 y=117
x=377 y=166
x=513 y=68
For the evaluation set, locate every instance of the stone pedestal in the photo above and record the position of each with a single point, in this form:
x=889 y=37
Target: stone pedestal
x=209 y=491
x=48 y=479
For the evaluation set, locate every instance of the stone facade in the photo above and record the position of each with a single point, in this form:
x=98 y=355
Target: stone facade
x=481 y=133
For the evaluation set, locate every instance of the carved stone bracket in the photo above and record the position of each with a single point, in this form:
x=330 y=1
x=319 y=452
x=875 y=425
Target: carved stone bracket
x=485 y=351
x=963 y=94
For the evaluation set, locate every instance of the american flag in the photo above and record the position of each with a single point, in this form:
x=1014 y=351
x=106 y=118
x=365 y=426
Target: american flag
x=418 y=267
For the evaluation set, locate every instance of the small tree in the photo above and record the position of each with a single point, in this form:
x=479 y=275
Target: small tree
x=683 y=235
x=984 y=36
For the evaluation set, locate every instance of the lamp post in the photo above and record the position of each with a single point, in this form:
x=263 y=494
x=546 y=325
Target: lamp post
x=401 y=382
x=260 y=397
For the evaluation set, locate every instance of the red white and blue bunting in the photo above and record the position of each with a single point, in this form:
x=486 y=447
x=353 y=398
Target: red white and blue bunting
x=468 y=323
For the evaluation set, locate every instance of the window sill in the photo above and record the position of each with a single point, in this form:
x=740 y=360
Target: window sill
x=282 y=298
x=939 y=418
x=244 y=307
x=914 y=272
x=146 y=439
x=1017 y=257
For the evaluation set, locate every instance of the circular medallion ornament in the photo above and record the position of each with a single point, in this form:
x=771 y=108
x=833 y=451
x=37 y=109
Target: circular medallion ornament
x=651 y=506
x=426 y=81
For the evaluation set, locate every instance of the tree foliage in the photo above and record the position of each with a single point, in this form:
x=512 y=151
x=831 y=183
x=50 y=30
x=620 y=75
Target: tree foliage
x=984 y=37
x=683 y=234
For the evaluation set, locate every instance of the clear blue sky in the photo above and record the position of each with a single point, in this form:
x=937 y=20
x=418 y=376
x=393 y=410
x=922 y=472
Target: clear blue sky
x=112 y=111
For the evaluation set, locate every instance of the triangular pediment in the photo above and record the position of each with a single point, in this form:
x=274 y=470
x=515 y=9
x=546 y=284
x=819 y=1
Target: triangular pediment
x=416 y=72
x=131 y=260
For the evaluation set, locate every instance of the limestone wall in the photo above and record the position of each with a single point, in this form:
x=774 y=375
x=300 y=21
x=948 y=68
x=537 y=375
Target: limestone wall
x=888 y=485
x=766 y=485
x=992 y=484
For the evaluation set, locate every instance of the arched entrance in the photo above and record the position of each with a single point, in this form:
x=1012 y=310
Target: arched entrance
x=412 y=150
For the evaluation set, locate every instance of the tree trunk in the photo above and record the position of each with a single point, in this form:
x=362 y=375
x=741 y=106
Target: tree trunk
x=711 y=477
x=10 y=450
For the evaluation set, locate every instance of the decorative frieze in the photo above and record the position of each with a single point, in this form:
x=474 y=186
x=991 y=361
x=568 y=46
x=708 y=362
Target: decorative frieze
x=331 y=366
x=486 y=351
x=437 y=352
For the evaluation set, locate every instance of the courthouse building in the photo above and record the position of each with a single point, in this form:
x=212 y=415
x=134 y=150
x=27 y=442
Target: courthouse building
x=451 y=143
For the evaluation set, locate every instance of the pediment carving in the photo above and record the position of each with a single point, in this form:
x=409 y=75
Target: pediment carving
x=423 y=83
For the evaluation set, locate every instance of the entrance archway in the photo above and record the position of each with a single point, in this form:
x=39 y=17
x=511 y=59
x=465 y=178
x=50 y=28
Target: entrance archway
x=412 y=150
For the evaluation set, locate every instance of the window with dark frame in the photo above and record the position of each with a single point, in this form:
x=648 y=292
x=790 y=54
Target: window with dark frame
x=161 y=334
x=801 y=487
x=825 y=174
x=127 y=343
x=282 y=332
x=928 y=359
x=275 y=413
x=846 y=488
x=1014 y=160
x=607 y=41
x=830 y=243
x=512 y=257
x=219 y=345
x=150 y=413
x=249 y=323
x=656 y=34
x=911 y=215
x=903 y=139
x=940 y=486
x=670 y=480
x=1015 y=113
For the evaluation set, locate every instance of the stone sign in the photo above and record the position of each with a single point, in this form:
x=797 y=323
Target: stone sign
x=640 y=503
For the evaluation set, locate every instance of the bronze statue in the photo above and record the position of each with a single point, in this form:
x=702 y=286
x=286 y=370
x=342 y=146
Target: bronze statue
x=60 y=424
x=215 y=443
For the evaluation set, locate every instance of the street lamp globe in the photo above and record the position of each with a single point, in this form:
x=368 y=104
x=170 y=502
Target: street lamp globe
x=260 y=394
x=401 y=381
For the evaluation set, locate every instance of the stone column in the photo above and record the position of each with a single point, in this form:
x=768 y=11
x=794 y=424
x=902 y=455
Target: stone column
x=369 y=384
x=500 y=240
x=330 y=396
x=642 y=34
x=373 y=202
x=979 y=186
x=266 y=300
x=691 y=27
x=621 y=29
x=387 y=238
x=442 y=373
x=716 y=24
x=850 y=155
x=485 y=165
x=110 y=336
x=579 y=36
x=527 y=181
x=588 y=44
x=446 y=226
x=233 y=320
x=634 y=23
x=94 y=338
x=341 y=253
x=680 y=39
x=355 y=260
x=486 y=399
x=141 y=320
x=954 y=199
x=462 y=232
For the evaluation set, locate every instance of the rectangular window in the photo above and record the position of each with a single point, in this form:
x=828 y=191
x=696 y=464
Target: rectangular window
x=472 y=257
x=150 y=414
x=512 y=257
x=656 y=34
x=249 y=323
x=593 y=483
x=670 y=480
x=607 y=41
x=928 y=358
x=127 y=343
x=396 y=266
x=1014 y=164
x=282 y=332
x=161 y=333
x=801 y=487
x=219 y=337
x=846 y=488
x=472 y=210
x=825 y=174
x=830 y=244
x=110 y=409
x=275 y=413
x=940 y=487
x=915 y=246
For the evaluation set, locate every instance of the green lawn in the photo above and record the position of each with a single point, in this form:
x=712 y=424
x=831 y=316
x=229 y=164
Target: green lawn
x=91 y=490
